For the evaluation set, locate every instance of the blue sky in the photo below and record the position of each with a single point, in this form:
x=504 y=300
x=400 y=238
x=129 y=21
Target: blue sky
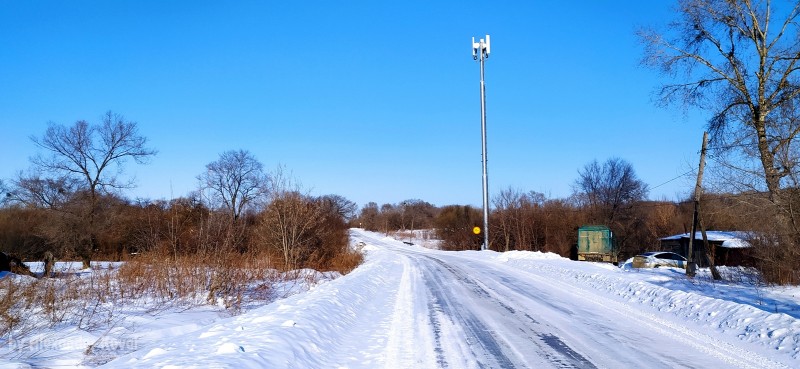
x=371 y=100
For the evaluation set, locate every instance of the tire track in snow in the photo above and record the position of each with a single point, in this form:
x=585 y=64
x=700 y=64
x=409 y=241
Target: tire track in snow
x=447 y=305
x=406 y=327
x=497 y=351
x=721 y=350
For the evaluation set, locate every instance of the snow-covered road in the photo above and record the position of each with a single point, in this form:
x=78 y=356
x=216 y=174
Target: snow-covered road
x=488 y=315
x=409 y=307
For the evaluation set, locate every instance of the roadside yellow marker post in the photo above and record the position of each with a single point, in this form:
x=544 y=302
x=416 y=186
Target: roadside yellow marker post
x=476 y=230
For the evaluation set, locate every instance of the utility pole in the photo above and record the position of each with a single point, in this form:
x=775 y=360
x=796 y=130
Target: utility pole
x=480 y=51
x=691 y=269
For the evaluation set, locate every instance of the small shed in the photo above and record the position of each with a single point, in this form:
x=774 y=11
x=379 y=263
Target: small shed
x=596 y=243
x=731 y=248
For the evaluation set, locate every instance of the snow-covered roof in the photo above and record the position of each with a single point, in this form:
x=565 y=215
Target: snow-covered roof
x=729 y=239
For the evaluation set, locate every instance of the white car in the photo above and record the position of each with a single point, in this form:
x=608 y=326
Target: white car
x=657 y=259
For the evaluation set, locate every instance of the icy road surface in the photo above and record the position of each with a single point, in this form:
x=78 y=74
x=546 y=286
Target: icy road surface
x=409 y=307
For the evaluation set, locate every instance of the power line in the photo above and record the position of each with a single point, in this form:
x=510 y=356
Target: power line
x=682 y=175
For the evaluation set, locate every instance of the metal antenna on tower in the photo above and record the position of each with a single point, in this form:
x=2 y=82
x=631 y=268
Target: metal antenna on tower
x=480 y=51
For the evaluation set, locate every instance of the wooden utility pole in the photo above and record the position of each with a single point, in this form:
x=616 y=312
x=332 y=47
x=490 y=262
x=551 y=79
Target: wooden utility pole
x=691 y=269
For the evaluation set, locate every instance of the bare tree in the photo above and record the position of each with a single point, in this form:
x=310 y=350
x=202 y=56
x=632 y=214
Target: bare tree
x=340 y=205
x=369 y=217
x=35 y=190
x=454 y=225
x=507 y=207
x=92 y=155
x=607 y=188
x=416 y=214
x=290 y=221
x=518 y=216
x=391 y=217
x=236 y=180
x=739 y=60
x=288 y=226
x=5 y=193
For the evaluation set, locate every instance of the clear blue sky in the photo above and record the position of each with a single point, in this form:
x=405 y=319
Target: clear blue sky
x=371 y=100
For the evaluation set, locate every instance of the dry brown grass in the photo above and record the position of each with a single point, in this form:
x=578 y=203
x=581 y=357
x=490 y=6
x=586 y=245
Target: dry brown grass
x=344 y=262
x=30 y=304
x=151 y=282
x=11 y=297
x=227 y=278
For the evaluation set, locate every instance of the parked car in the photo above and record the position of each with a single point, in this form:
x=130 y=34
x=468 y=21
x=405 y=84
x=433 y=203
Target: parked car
x=657 y=259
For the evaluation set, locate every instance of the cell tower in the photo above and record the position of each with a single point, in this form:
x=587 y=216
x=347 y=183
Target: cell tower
x=480 y=51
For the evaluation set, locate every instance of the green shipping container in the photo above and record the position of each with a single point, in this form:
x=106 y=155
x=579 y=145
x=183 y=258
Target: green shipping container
x=596 y=243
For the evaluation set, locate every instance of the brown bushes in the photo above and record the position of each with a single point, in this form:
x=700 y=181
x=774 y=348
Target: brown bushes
x=177 y=254
x=778 y=264
x=407 y=215
x=343 y=262
x=454 y=226
x=151 y=281
x=303 y=231
x=228 y=279
x=530 y=222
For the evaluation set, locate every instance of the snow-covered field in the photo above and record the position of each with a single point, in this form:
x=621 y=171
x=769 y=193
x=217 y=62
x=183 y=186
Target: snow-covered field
x=409 y=306
x=103 y=330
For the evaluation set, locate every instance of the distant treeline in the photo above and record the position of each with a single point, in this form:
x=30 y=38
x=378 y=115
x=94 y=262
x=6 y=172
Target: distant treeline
x=530 y=221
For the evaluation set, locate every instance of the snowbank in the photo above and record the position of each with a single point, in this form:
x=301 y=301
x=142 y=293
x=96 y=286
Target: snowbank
x=754 y=313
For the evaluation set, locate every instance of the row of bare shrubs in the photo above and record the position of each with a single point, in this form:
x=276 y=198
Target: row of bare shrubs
x=229 y=279
x=292 y=231
x=175 y=253
x=151 y=281
x=533 y=222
